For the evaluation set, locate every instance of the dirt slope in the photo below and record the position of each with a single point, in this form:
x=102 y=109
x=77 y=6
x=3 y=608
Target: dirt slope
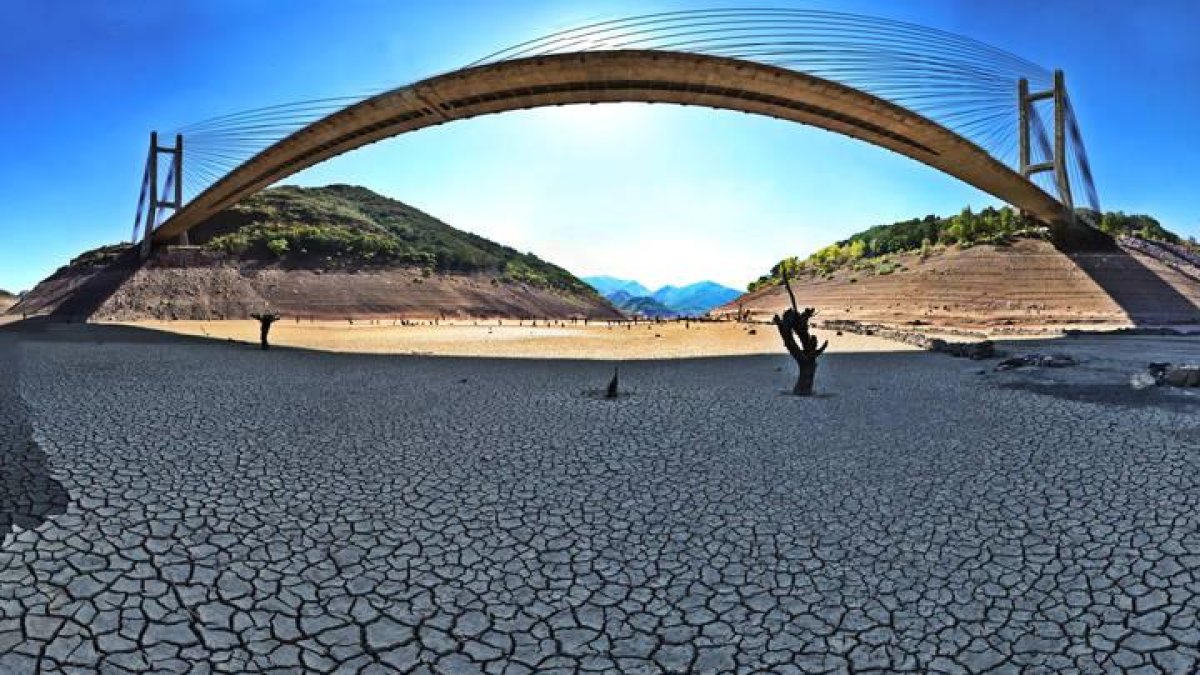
x=190 y=284
x=333 y=252
x=1027 y=284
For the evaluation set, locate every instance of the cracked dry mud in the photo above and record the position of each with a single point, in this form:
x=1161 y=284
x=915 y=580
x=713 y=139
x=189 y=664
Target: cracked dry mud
x=238 y=511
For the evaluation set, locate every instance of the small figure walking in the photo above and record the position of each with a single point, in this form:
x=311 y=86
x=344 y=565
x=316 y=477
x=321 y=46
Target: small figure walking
x=264 y=322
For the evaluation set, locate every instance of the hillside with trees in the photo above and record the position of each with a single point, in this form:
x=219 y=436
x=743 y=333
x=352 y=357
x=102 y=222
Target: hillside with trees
x=346 y=226
x=329 y=252
x=874 y=250
x=992 y=271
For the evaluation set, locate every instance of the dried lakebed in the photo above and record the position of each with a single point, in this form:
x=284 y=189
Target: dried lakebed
x=185 y=506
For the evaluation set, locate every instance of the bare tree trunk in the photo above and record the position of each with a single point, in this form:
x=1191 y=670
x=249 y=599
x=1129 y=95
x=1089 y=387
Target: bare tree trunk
x=794 y=324
x=804 y=379
x=264 y=325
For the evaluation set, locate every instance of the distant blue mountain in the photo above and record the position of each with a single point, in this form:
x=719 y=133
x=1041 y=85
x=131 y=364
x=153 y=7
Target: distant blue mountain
x=642 y=305
x=632 y=297
x=695 y=298
x=608 y=285
x=618 y=297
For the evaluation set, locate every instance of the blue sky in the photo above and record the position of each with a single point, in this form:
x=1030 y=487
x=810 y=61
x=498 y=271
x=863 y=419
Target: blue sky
x=655 y=193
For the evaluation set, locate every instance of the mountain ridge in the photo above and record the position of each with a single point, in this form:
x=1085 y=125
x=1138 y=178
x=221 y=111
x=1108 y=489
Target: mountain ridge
x=640 y=305
x=669 y=300
x=605 y=285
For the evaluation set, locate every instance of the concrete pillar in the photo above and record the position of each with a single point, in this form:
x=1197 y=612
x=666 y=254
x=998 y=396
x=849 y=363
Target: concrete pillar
x=153 y=202
x=183 y=239
x=1060 y=141
x=1023 y=120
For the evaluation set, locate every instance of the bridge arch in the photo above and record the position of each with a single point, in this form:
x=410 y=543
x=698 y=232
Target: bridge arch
x=627 y=75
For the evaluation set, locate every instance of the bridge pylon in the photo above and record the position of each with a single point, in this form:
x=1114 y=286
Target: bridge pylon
x=1030 y=126
x=172 y=184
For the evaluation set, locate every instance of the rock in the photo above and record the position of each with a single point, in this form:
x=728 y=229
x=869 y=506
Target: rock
x=1038 y=360
x=981 y=350
x=1012 y=362
x=1143 y=380
x=976 y=351
x=1057 y=361
x=1182 y=376
x=1165 y=373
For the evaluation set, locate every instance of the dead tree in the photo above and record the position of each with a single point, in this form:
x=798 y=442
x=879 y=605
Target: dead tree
x=794 y=324
x=264 y=324
x=612 y=391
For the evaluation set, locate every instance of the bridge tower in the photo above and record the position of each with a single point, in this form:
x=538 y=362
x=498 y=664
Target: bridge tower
x=154 y=197
x=1030 y=125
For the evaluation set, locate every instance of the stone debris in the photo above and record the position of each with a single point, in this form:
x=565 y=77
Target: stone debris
x=1142 y=380
x=976 y=350
x=1156 y=331
x=1174 y=376
x=1038 y=361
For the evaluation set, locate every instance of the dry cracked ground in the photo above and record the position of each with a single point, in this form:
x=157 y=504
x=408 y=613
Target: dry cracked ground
x=180 y=506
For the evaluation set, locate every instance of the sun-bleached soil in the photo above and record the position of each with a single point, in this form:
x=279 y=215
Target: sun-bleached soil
x=523 y=339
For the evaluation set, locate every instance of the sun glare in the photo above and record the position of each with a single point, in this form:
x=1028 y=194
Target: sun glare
x=600 y=122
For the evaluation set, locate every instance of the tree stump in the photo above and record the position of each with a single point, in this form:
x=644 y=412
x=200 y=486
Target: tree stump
x=612 y=391
x=264 y=324
x=794 y=324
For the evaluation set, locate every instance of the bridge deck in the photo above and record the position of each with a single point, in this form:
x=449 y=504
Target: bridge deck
x=648 y=76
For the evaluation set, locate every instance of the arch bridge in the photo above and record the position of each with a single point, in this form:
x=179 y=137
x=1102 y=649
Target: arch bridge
x=971 y=111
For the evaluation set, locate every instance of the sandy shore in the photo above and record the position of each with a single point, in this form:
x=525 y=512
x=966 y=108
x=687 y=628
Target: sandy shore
x=507 y=339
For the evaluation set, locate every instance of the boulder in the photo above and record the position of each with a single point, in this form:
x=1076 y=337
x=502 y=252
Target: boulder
x=1182 y=376
x=976 y=351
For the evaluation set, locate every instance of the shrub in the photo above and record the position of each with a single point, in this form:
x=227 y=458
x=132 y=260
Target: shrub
x=343 y=225
x=278 y=246
x=868 y=250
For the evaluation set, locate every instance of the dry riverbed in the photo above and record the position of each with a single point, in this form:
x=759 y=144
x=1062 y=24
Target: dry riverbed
x=173 y=504
x=507 y=338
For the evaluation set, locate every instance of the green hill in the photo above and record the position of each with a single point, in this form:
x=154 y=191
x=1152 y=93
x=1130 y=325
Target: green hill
x=869 y=250
x=345 y=226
